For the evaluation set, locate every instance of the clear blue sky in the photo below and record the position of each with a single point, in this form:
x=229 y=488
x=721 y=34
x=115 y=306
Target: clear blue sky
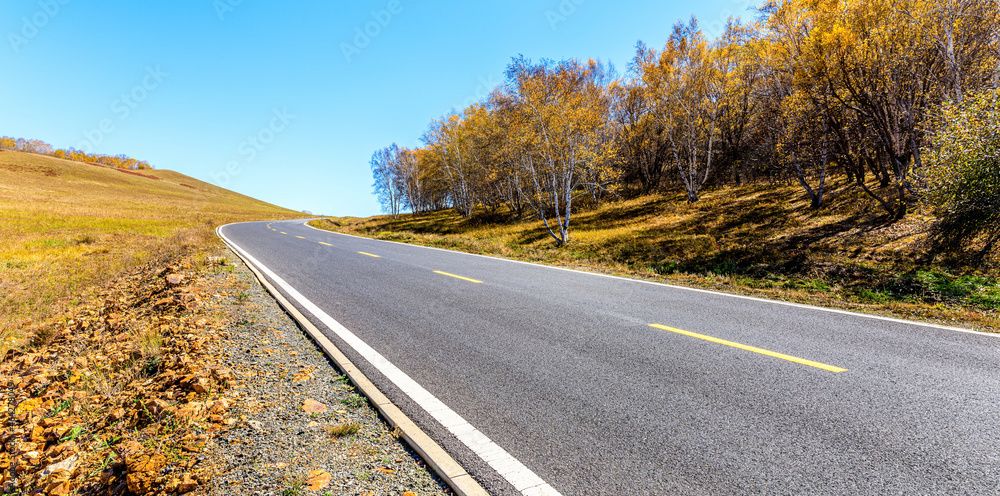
x=185 y=85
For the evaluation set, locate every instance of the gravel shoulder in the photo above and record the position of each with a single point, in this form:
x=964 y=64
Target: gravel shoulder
x=278 y=447
x=184 y=376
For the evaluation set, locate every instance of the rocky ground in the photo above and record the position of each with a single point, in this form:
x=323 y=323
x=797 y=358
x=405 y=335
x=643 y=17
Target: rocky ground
x=189 y=378
x=305 y=428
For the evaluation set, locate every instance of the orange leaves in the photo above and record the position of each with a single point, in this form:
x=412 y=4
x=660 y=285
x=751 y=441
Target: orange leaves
x=810 y=83
x=318 y=479
x=312 y=406
x=43 y=148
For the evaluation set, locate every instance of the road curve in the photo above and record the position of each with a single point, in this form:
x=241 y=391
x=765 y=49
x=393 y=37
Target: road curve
x=601 y=385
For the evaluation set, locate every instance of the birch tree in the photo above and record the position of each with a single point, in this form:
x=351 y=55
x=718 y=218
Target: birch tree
x=561 y=109
x=386 y=180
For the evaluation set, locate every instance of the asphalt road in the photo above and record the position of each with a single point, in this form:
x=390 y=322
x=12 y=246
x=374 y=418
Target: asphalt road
x=563 y=370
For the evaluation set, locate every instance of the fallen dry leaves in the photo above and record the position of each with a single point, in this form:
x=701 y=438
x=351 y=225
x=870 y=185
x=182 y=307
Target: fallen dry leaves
x=318 y=479
x=302 y=375
x=313 y=406
x=122 y=397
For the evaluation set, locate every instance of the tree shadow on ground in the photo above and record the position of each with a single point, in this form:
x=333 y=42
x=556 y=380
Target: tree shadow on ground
x=805 y=238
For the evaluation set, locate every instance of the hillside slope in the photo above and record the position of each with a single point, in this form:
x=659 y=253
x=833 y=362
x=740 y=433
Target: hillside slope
x=66 y=227
x=758 y=239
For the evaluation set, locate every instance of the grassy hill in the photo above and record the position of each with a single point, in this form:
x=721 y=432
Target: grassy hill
x=68 y=227
x=750 y=240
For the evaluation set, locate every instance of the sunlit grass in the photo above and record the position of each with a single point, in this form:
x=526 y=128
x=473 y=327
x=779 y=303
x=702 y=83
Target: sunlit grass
x=344 y=429
x=757 y=239
x=66 y=228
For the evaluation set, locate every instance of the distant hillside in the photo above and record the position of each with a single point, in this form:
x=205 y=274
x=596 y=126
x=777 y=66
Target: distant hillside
x=67 y=226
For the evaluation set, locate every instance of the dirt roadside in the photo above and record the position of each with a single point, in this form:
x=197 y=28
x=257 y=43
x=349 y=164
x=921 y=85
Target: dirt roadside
x=188 y=378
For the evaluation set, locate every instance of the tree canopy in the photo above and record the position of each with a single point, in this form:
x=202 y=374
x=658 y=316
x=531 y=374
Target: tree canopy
x=43 y=148
x=809 y=92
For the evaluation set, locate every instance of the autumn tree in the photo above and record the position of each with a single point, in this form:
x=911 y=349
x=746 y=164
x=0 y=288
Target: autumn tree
x=641 y=147
x=505 y=147
x=688 y=80
x=559 y=116
x=809 y=91
x=387 y=182
x=408 y=179
x=741 y=119
x=961 y=177
x=799 y=92
x=453 y=139
x=966 y=34
x=434 y=191
x=40 y=147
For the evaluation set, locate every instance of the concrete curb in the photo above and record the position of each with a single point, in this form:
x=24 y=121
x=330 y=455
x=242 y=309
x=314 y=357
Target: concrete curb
x=440 y=461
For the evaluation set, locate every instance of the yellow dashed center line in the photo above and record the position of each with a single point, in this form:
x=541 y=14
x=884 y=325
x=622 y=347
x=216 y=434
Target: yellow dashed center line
x=301 y=237
x=327 y=244
x=283 y=232
x=754 y=349
x=457 y=277
x=369 y=254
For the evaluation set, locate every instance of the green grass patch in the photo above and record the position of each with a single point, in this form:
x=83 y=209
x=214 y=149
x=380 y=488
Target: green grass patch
x=933 y=286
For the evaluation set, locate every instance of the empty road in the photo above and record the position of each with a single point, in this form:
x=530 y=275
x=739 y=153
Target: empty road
x=586 y=384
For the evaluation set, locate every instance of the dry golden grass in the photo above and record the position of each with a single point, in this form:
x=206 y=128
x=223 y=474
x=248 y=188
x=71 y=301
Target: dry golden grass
x=68 y=227
x=761 y=240
x=344 y=429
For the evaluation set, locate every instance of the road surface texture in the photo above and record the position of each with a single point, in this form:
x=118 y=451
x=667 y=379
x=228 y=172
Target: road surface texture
x=547 y=381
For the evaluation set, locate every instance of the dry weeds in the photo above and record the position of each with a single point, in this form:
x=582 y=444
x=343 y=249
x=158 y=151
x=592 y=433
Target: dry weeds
x=68 y=228
x=760 y=240
x=122 y=397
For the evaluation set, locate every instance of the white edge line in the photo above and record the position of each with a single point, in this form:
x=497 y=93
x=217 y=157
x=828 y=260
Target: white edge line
x=697 y=290
x=512 y=470
x=439 y=460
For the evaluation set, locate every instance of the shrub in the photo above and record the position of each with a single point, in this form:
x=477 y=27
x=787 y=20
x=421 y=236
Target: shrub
x=961 y=174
